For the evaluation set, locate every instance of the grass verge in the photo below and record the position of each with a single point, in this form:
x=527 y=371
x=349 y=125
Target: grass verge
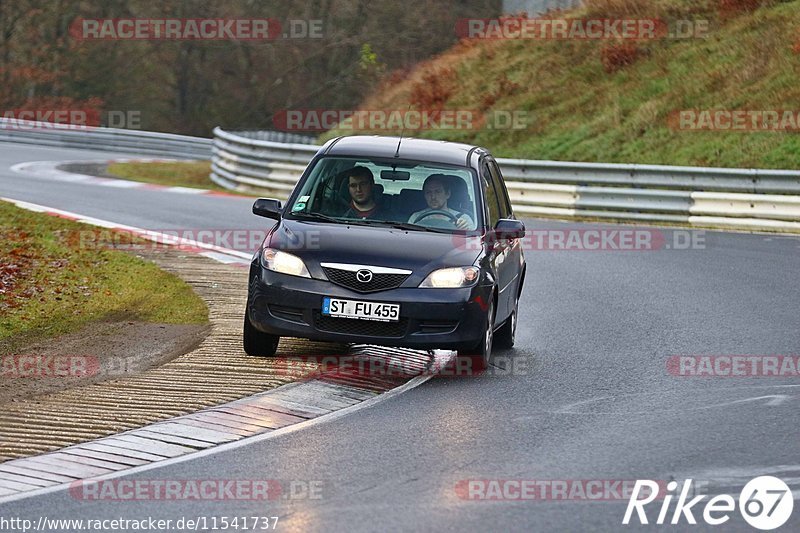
x=52 y=282
x=192 y=174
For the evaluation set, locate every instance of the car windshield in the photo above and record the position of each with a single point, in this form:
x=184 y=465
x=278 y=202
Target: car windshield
x=414 y=194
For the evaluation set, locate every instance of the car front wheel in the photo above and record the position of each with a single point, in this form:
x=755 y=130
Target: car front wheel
x=480 y=355
x=504 y=338
x=257 y=343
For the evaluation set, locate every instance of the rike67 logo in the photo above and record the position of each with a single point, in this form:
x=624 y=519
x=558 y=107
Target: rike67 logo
x=765 y=503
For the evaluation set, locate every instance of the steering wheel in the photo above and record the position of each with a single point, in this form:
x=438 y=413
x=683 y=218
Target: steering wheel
x=440 y=212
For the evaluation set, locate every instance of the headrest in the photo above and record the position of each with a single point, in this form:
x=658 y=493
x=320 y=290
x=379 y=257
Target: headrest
x=459 y=197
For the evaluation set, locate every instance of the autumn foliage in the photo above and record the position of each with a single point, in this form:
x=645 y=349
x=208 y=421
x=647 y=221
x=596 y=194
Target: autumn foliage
x=435 y=89
x=616 y=56
x=734 y=7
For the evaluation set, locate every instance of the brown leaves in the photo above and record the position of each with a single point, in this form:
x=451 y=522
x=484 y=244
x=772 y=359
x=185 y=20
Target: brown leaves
x=14 y=263
x=617 y=56
x=18 y=263
x=612 y=9
x=8 y=277
x=435 y=89
x=734 y=7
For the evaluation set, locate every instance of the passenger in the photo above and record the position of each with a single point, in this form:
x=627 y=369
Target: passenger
x=363 y=204
x=437 y=193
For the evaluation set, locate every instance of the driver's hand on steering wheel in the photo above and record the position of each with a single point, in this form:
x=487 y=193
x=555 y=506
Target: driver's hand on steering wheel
x=461 y=222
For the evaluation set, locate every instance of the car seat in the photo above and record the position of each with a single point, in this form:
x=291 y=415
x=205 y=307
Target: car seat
x=409 y=201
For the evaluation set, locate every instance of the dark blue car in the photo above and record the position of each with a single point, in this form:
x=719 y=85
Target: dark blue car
x=389 y=241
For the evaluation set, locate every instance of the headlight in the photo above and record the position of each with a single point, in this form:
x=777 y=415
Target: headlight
x=284 y=263
x=451 y=278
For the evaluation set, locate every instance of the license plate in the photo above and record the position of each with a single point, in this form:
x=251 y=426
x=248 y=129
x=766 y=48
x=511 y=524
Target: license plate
x=383 y=312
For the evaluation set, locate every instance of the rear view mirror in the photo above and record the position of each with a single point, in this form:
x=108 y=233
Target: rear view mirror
x=508 y=228
x=395 y=175
x=268 y=207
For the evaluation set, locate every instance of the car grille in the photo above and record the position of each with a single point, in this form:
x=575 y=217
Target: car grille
x=354 y=326
x=379 y=282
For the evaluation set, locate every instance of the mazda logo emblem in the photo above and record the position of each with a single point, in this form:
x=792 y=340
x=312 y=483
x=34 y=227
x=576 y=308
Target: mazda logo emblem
x=364 y=275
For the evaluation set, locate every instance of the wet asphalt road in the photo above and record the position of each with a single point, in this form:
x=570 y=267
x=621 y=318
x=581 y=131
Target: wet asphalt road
x=588 y=396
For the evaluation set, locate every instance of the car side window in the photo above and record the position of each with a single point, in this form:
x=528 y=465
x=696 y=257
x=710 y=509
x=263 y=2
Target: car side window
x=492 y=203
x=500 y=187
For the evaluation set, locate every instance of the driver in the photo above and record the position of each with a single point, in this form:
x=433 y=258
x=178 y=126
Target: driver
x=437 y=192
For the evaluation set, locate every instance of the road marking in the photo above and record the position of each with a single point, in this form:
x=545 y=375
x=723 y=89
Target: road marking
x=726 y=480
x=775 y=400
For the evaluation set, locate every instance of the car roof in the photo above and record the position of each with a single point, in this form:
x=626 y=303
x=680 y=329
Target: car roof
x=446 y=152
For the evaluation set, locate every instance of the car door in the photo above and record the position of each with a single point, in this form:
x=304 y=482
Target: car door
x=509 y=249
x=498 y=248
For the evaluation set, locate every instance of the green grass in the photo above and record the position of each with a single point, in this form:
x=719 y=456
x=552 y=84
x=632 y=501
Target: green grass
x=579 y=112
x=53 y=282
x=177 y=174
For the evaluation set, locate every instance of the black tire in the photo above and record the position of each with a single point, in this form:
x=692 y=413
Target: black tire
x=480 y=355
x=257 y=343
x=504 y=337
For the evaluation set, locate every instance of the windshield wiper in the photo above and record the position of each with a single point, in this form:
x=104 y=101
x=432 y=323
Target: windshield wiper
x=413 y=227
x=402 y=225
x=366 y=222
x=317 y=216
x=326 y=218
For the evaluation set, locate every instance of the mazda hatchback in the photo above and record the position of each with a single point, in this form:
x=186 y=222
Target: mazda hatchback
x=389 y=241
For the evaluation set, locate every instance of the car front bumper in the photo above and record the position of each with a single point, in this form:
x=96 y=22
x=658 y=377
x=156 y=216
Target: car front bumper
x=290 y=306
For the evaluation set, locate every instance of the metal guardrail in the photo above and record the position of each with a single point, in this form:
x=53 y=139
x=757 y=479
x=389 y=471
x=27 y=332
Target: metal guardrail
x=248 y=164
x=276 y=136
x=264 y=162
x=749 y=199
x=537 y=7
x=105 y=139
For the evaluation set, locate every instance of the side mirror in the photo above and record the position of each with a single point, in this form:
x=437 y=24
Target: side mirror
x=268 y=207
x=507 y=228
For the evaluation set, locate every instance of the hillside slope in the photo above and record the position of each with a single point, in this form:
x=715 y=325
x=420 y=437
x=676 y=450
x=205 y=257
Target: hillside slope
x=615 y=101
